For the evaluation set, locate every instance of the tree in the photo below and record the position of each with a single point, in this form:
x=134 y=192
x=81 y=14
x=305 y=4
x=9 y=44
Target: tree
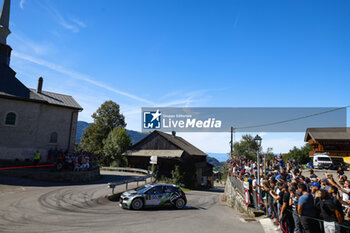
x=269 y=154
x=106 y=118
x=117 y=142
x=301 y=155
x=177 y=175
x=246 y=147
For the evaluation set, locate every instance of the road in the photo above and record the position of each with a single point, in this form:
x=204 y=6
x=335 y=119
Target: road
x=32 y=206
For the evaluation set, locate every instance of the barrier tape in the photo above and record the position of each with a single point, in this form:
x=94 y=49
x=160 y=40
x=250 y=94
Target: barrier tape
x=44 y=165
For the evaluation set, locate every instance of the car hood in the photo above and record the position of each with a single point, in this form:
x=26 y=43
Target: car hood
x=129 y=193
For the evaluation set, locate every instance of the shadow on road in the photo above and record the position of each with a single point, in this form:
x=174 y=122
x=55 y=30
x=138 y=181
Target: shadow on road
x=167 y=208
x=18 y=181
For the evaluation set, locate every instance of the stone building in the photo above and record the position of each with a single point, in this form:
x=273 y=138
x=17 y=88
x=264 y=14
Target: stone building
x=31 y=119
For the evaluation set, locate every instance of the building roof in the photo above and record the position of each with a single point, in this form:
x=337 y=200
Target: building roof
x=179 y=142
x=11 y=87
x=327 y=134
x=57 y=99
x=182 y=144
x=159 y=153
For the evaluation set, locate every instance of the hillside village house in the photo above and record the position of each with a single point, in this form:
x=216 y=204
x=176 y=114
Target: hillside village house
x=31 y=119
x=334 y=141
x=171 y=150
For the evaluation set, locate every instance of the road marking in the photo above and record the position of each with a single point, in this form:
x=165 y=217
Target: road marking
x=268 y=225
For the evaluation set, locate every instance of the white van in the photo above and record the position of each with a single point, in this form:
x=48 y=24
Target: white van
x=322 y=161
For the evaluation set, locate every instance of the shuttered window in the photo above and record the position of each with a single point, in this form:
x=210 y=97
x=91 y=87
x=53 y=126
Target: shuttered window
x=10 y=118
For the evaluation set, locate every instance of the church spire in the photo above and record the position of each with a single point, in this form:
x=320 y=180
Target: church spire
x=4 y=21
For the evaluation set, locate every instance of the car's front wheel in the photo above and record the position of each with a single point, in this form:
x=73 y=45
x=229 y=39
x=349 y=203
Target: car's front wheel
x=180 y=203
x=137 y=204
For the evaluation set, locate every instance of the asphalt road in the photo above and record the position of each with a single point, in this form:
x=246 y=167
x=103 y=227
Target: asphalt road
x=31 y=206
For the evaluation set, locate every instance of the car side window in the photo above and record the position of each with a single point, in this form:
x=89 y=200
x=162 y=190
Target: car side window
x=169 y=189
x=155 y=190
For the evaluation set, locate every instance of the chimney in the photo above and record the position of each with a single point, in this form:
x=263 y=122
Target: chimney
x=40 y=85
x=173 y=133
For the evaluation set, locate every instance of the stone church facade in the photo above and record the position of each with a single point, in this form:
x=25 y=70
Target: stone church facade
x=31 y=119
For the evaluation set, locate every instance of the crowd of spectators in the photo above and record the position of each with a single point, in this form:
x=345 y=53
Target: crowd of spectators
x=76 y=161
x=298 y=202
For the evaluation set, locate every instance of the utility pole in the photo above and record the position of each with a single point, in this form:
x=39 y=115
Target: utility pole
x=232 y=142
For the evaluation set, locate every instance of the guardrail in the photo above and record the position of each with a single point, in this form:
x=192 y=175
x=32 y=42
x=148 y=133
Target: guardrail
x=127 y=169
x=127 y=182
x=238 y=184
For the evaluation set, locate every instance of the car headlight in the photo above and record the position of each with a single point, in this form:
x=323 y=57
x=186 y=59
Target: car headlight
x=125 y=198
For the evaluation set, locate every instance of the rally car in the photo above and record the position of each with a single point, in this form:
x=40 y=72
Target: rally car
x=153 y=195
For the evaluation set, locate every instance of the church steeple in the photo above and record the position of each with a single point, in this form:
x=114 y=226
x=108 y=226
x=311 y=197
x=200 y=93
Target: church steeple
x=5 y=50
x=4 y=21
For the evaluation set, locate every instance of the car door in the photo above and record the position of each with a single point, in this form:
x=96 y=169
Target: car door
x=154 y=196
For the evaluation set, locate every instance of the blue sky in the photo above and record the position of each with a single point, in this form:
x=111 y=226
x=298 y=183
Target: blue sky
x=186 y=53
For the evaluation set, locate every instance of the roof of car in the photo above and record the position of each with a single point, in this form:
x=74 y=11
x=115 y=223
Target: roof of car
x=159 y=184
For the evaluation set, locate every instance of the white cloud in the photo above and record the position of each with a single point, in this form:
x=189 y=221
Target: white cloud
x=79 y=23
x=78 y=76
x=72 y=24
x=21 y=4
x=26 y=45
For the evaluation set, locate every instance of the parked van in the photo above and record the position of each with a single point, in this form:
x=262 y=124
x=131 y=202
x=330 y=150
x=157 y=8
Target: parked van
x=322 y=161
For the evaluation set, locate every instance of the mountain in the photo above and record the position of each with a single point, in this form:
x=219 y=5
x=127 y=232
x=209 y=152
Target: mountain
x=82 y=126
x=221 y=157
x=215 y=162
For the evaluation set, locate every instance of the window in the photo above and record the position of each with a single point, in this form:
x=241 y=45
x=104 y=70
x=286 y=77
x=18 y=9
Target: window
x=53 y=137
x=10 y=118
x=155 y=190
x=324 y=159
x=169 y=189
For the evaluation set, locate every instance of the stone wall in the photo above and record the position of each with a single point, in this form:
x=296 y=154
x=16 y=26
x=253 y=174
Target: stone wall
x=235 y=199
x=35 y=122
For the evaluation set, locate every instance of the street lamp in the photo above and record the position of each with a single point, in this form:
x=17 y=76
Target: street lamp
x=258 y=140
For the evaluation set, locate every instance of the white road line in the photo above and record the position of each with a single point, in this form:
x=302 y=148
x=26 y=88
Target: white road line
x=268 y=225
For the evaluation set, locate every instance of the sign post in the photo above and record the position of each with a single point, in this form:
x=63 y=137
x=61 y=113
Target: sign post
x=246 y=197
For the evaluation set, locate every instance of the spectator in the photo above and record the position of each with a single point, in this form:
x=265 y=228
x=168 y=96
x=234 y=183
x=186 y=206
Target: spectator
x=286 y=216
x=294 y=197
x=306 y=210
x=330 y=213
x=312 y=174
x=37 y=157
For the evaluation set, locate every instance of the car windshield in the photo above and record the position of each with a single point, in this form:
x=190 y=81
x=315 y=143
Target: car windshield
x=143 y=188
x=324 y=159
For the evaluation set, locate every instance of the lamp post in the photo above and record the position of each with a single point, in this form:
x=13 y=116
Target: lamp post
x=257 y=140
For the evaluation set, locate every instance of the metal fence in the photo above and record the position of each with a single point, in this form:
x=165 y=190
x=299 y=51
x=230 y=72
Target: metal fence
x=238 y=184
x=137 y=180
x=253 y=195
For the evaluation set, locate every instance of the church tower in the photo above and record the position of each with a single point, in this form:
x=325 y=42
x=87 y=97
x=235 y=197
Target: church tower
x=5 y=50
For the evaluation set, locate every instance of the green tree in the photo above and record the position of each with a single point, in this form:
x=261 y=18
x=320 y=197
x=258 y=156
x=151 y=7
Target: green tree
x=177 y=175
x=106 y=118
x=246 y=147
x=301 y=155
x=269 y=154
x=117 y=142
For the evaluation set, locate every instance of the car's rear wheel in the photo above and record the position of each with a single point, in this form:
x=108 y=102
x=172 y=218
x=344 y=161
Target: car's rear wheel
x=137 y=204
x=180 y=203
